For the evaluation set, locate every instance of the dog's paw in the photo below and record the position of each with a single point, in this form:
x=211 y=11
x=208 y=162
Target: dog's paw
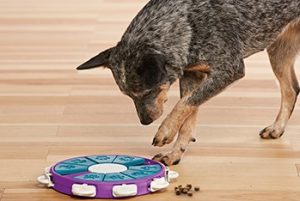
x=271 y=132
x=165 y=134
x=168 y=159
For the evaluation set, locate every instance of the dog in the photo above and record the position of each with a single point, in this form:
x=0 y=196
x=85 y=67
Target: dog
x=203 y=43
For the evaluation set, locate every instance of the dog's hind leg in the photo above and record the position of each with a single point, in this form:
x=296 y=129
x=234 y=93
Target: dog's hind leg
x=188 y=83
x=282 y=55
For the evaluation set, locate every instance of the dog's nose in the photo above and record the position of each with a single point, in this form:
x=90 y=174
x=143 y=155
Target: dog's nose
x=146 y=120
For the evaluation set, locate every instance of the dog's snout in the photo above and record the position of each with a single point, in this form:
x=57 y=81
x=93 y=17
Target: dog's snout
x=145 y=120
x=148 y=110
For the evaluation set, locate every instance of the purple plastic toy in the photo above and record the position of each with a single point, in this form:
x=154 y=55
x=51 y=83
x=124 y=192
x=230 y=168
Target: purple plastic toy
x=106 y=176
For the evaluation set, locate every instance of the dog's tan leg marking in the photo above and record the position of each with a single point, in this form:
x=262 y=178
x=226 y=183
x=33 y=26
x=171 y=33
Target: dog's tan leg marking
x=170 y=126
x=187 y=130
x=282 y=56
x=200 y=68
x=185 y=136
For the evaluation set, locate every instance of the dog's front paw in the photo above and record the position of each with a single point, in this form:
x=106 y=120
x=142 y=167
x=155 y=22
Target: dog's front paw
x=165 y=134
x=271 y=132
x=170 y=158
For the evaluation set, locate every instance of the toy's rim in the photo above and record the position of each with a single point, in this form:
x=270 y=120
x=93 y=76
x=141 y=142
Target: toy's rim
x=71 y=178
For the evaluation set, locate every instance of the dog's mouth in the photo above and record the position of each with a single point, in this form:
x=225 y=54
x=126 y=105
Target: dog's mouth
x=148 y=117
x=146 y=122
x=148 y=113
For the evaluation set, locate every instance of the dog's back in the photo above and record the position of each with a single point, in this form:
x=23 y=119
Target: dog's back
x=257 y=23
x=262 y=20
x=182 y=25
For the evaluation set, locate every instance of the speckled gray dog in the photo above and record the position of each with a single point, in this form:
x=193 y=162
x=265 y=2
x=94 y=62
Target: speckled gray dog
x=203 y=44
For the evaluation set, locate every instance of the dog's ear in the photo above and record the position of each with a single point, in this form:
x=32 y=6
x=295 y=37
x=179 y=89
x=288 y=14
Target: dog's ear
x=152 y=69
x=101 y=59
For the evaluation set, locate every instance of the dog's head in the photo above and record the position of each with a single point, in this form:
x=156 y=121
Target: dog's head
x=143 y=77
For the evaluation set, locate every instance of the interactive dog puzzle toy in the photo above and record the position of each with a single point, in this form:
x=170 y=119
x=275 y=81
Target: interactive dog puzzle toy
x=107 y=176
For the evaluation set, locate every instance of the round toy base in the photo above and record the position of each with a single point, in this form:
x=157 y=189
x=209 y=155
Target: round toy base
x=108 y=176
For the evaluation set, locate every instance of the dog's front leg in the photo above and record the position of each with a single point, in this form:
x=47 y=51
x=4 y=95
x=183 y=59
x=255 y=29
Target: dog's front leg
x=188 y=83
x=171 y=125
x=218 y=79
x=185 y=136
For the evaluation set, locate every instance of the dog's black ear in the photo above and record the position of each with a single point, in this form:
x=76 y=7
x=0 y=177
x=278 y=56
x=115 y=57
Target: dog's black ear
x=152 y=69
x=101 y=59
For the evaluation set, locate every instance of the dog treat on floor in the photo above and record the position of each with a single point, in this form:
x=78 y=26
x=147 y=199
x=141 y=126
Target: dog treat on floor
x=187 y=190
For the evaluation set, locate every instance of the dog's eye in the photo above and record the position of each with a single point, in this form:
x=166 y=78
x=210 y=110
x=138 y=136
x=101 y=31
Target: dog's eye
x=140 y=94
x=147 y=93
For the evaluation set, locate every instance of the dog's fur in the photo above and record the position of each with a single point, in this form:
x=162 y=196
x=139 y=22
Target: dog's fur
x=203 y=43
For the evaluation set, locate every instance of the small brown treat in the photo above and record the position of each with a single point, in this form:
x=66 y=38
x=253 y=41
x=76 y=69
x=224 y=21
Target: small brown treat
x=190 y=193
x=189 y=186
x=178 y=193
x=185 y=191
x=180 y=186
x=197 y=188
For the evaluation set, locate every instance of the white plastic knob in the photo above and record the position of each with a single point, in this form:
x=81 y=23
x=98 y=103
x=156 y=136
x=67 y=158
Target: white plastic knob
x=159 y=184
x=45 y=179
x=172 y=175
x=84 y=190
x=125 y=190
